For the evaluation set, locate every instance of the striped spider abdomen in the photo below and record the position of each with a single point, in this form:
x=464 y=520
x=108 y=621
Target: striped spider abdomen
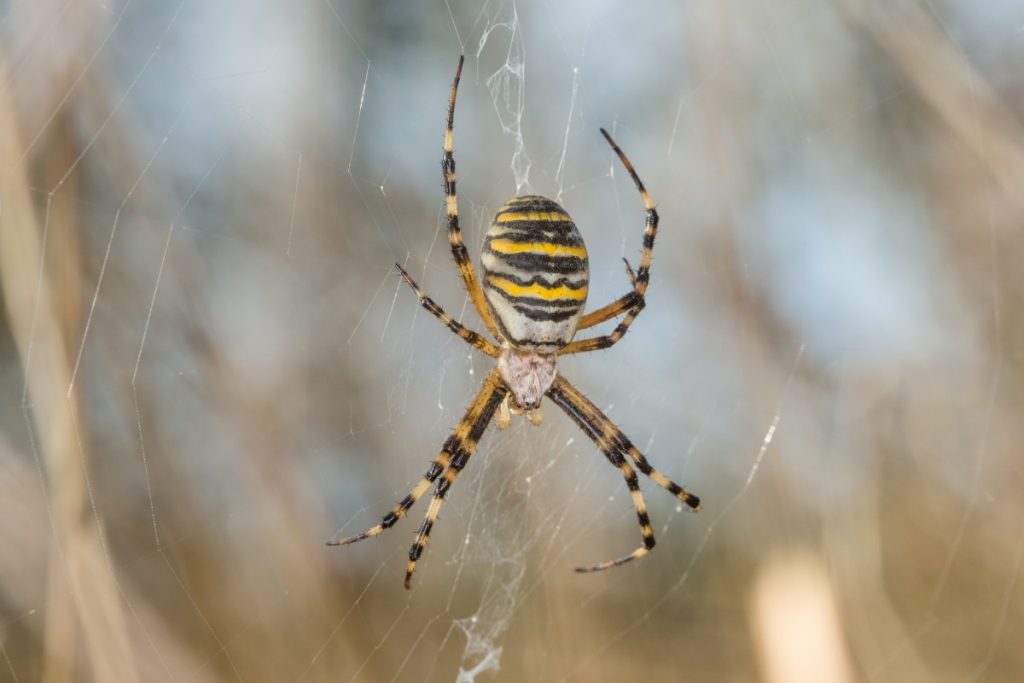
x=535 y=273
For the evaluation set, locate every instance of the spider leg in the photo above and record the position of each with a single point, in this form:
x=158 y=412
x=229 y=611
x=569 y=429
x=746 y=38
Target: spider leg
x=612 y=434
x=641 y=513
x=610 y=440
x=650 y=223
x=596 y=431
x=596 y=343
x=615 y=308
x=469 y=336
x=468 y=433
x=456 y=444
x=462 y=260
x=633 y=301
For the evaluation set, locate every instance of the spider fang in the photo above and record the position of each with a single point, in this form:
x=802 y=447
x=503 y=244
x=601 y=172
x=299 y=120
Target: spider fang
x=506 y=410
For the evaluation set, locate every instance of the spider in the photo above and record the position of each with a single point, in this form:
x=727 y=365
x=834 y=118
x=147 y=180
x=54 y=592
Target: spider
x=535 y=276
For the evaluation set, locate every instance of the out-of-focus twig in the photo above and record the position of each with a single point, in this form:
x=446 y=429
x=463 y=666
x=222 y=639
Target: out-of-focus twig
x=944 y=76
x=83 y=586
x=796 y=625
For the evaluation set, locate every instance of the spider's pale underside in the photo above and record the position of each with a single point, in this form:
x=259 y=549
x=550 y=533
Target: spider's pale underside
x=535 y=276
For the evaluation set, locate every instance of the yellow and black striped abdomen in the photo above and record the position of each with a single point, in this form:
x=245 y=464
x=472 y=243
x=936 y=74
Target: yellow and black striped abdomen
x=535 y=273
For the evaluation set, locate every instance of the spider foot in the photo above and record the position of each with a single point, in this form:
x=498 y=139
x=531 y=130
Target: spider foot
x=635 y=555
x=692 y=501
x=355 y=539
x=414 y=555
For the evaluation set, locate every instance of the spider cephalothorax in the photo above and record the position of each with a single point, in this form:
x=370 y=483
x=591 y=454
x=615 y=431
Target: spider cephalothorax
x=535 y=278
x=528 y=375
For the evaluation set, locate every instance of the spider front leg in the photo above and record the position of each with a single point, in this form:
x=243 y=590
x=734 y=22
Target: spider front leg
x=451 y=203
x=632 y=302
x=610 y=440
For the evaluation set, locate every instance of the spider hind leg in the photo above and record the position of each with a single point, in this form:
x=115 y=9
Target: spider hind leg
x=641 y=512
x=452 y=458
x=615 y=446
x=468 y=434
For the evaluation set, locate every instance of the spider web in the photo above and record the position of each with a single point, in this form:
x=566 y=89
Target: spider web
x=211 y=367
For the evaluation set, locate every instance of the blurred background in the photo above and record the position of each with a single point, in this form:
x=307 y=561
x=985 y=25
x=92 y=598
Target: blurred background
x=210 y=366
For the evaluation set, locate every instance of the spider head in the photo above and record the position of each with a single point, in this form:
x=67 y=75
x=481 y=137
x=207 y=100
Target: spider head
x=527 y=374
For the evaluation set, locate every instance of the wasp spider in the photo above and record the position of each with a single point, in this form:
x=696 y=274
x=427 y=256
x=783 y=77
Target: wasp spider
x=535 y=276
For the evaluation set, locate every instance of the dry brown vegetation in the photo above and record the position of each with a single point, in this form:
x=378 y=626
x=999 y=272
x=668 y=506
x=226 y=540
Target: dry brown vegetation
x=209 y=365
